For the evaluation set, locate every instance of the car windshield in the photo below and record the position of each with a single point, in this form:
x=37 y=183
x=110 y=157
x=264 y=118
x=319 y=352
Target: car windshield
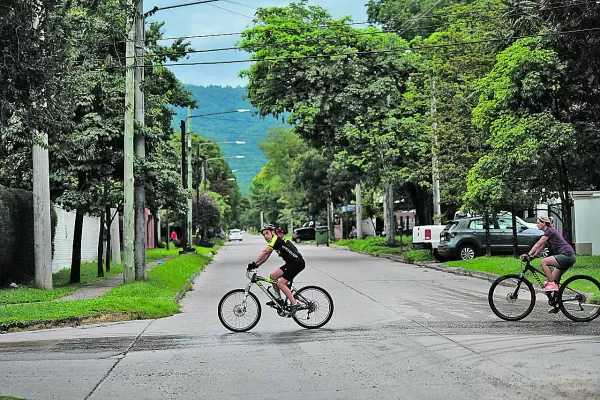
x=234 y=231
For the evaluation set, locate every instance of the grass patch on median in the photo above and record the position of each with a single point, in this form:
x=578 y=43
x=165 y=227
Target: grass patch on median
x=152 y=298
x=585 y=265
x=376 y=246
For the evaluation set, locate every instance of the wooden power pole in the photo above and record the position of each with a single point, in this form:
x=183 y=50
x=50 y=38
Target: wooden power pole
x=140 y=147
x=128 y=178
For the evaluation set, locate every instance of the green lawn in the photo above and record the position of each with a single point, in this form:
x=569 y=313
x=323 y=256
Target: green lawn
x=378 y=245
x=585 y=265
x=152 y=298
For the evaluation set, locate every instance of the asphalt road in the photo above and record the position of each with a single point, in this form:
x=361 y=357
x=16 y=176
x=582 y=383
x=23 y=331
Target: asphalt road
x=398 y=332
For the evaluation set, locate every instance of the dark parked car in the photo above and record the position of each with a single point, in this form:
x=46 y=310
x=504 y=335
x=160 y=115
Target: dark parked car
x=465 y=238
x=300 y=234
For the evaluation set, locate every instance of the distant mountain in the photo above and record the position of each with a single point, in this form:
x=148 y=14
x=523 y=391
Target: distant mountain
x=228 y=127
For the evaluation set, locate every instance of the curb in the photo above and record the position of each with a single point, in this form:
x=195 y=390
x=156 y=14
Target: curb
x=437 y=266
x=460 y=271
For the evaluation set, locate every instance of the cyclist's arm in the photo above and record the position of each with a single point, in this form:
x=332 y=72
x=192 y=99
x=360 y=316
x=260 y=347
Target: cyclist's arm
x=264 y=256
x=538 y=246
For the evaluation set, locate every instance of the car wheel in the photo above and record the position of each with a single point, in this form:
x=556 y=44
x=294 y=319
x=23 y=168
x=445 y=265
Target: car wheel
x=466 y=252
x=438 y=256
x=544 y=253
x=297 y=240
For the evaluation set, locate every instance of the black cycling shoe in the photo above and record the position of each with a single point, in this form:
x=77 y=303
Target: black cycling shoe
x=294 y=308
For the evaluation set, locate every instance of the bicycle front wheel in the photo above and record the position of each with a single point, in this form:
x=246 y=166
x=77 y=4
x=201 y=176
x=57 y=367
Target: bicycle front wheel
x=579 y=298
x=317 y=307
x=511 y=297
x=238 y=312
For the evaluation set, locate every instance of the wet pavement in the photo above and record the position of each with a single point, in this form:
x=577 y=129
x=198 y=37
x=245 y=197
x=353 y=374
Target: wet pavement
x=398 y=332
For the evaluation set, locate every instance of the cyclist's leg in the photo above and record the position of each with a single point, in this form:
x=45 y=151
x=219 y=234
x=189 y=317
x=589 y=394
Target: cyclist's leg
x=548 y=262
x=563 y=263
x=289 y=273
x=275 y=275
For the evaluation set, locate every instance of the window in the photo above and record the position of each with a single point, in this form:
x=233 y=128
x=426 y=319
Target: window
x=476 y=224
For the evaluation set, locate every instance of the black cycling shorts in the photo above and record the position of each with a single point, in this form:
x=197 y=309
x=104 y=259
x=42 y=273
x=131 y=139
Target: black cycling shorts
x=293 y=268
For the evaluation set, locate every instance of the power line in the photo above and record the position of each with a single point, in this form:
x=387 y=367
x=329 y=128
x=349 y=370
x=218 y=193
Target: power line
x=391 y=20
x=358 y=53
x=233 y=12
x=155 y=9
x=300 y=42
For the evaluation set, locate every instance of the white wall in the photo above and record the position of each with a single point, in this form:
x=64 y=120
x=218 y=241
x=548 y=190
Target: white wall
x=586 y=205
x=63 y=239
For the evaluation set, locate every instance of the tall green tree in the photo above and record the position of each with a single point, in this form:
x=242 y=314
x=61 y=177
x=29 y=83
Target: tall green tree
x=518 y=108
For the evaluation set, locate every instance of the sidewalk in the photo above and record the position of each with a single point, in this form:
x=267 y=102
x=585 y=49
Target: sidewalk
x=99 y=288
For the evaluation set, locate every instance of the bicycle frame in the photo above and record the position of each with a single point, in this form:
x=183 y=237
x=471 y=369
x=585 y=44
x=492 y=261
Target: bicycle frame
x=528 y=267
x=256 y=279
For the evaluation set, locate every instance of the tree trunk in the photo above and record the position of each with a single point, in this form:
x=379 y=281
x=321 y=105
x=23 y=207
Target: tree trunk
x=514 y=232
x=488 y=243
x=76 y=257
x=109 y=221
x=101 y=247
x=155 y=216
x=77 y=234
x=565 y=203
x=422 y=201
x=390 y=224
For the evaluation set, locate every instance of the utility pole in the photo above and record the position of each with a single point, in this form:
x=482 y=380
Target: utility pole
x=198 y=167
x=140 y=147
x=437 y=213
x=358 y=212
x=128 y=178
x=184 y=243
x=42 y=236
x=189 y=177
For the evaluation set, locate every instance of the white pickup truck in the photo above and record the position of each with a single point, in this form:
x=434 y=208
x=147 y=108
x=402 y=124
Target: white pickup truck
x=428 y=237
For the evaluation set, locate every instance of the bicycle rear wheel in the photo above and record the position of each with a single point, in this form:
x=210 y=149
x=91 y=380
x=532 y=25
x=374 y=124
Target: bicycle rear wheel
x=238 y=312
x=317 y=307
x=511 y=297
x=579 y=298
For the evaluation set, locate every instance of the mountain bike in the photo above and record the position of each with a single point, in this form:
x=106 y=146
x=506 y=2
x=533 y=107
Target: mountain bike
x=512 y=297
x=240 y=310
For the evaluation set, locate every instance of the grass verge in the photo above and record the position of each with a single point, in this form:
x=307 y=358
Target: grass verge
x=154 y=298
x=585 y=265
x=377 y=246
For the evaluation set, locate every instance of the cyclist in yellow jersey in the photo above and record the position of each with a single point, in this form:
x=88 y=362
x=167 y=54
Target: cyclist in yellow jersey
x=294 y=263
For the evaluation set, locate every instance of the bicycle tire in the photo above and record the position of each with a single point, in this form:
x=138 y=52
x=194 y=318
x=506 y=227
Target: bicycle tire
x=231 y=306
x=502 y=300
x=323 y=306
x=579 y=298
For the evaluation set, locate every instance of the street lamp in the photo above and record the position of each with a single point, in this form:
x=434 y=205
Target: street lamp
x=186 y=173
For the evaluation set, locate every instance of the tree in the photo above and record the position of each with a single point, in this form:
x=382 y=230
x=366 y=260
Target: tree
x=409 y=18
x=518 y=108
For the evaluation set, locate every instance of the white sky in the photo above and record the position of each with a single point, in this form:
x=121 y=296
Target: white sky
x=224 y=17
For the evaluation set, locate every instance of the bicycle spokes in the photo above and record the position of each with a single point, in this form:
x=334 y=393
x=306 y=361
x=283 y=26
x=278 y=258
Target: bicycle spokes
x=580 y=298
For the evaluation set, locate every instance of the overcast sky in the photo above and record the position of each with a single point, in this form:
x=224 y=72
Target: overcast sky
x=226 y=16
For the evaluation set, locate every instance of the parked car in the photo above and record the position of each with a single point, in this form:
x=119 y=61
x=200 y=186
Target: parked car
x=428 y=237
x=235 y=234
x=306 y=233
x=465 y=238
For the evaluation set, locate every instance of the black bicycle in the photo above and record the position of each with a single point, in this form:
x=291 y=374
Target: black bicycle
x=240 y=310
x=512 y=297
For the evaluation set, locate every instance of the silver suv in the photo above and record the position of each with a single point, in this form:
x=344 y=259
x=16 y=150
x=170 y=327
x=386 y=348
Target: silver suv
x=464 y=238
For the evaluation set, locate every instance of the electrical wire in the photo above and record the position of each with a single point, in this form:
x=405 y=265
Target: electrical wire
x=359 y=53
x=367 y=22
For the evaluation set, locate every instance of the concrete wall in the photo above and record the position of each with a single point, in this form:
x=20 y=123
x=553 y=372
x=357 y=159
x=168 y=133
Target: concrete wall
x=586 y=216
x=63 y=240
